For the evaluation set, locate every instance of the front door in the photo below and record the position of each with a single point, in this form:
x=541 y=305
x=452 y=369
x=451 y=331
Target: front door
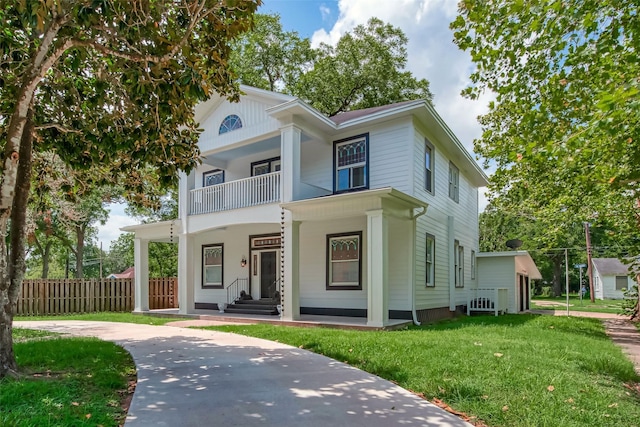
x=268 y=273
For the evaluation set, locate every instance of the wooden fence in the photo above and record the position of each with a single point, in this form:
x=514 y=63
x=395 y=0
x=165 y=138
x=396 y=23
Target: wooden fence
x=163 y=293
x=68 y=296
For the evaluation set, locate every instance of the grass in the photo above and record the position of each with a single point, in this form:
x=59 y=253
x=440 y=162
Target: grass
x=514 y=370
x=107 y=317
x=65 y=382
x=559 y=303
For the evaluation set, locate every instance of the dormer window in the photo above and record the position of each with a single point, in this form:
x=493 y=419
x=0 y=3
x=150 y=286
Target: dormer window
x=231 y=122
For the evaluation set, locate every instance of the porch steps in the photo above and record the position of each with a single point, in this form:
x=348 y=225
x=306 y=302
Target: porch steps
x=263 y=306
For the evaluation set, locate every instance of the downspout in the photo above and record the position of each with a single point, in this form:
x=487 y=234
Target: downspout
x=414 y=218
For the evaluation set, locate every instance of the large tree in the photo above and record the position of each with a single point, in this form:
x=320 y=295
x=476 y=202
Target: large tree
x=563 y=130
x=105 y=84
x=366 y=68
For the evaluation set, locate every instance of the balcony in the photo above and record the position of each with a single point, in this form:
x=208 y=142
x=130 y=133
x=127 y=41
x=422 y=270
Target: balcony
x=243 y=193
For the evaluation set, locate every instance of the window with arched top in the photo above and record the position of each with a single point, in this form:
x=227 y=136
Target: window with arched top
x=231 y=122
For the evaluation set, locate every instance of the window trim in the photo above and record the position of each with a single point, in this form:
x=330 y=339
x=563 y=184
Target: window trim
x=626 y=282
x=212 y=172
x=331 y=287
x=226 y=127
x=473 y=264
x=458 y=264
x=430 y=170
x=454 y=182
x=202 y=270
x=365 y=137
x=431 y=284
x=270 y=162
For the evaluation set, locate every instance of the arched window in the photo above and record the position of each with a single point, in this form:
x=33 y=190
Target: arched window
x=230 y=123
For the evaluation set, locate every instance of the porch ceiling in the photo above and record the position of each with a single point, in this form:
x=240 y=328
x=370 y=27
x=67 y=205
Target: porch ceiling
x=392 y=201
x=162 y=231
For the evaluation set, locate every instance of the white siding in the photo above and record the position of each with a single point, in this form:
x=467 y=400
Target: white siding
x=255 y=123
x=499 y=272
x=465 y=214
x=236 y=245
x=313 y=265
x=316 y=164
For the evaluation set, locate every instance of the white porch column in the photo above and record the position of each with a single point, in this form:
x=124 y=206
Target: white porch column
x=186 y=282
x=291 y=289
x=141 y=262
x=290 y=136
x=377 y=269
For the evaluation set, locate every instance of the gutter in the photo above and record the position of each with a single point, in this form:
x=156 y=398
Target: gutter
x=414 y=315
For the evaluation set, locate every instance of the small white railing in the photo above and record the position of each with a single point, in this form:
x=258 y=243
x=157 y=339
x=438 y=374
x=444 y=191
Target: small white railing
x=490 y=300
x=253 y=191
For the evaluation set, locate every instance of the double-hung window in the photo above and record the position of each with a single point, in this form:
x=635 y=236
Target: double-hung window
x=351 y=164
x=344 y=261
x=429 y=152
x=430 y=260
x=621 y=283
x=454 y=183
x=212 y=267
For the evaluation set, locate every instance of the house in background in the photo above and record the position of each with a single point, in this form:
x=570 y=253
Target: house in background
x=511 y=271
x=129 y=273
x=610 y=278
x=370 y=213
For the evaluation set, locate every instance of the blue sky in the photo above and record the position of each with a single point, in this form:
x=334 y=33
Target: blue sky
x=431 y=55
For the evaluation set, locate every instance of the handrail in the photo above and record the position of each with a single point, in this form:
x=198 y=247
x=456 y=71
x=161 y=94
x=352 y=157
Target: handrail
x=241 y=193
x=235 y=289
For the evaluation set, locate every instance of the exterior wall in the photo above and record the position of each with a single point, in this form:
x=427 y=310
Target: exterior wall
x=236 y=245
x=607 y=288
x=316 y=164
x=441 y=206
x=500 y=272
x=389 y=153
x=256 y=123
x=313 y=265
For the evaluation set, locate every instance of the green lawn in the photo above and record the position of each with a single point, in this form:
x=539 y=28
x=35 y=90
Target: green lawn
x=560 y=303
x=107 y=317
x=65 y=382
x=514 y=370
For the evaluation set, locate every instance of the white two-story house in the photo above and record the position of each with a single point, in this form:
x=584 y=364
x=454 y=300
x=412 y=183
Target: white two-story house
x=371 y=213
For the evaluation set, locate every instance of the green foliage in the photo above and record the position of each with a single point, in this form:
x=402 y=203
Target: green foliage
x=270 y=58
x=107 y=317
x=630 y=303
x=563 y=129
x=495 y=369
x=365 y=69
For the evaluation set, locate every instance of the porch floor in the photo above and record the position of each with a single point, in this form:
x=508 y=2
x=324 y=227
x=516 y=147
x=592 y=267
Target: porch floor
x=306 y=320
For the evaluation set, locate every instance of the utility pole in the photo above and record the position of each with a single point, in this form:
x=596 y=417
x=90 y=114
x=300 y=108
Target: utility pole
x=587 y=234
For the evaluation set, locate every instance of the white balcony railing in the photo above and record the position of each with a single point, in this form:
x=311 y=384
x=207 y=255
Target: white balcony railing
x=491 y=300
x=257 y=190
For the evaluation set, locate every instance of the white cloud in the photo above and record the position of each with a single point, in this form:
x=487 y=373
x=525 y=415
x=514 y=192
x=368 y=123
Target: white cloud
x=110 y=231
x=431 y=54
x=325 y=11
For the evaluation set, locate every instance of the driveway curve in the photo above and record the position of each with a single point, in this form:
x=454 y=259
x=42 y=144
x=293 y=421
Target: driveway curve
x=190 y=377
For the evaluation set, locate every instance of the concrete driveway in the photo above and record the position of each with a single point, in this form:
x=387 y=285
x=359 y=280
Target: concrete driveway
x=189 y=377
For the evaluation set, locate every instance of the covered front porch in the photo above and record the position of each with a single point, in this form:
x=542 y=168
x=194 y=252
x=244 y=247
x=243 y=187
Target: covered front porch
x=351 y=255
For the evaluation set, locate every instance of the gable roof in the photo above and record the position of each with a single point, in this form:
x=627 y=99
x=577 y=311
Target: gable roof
x=127 y=274
x=610 y=266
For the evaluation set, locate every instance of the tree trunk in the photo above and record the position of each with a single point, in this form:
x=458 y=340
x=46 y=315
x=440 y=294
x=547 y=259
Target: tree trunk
x=79 y=251
x=12 y=272
x=46 y=254
x=557 y=275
